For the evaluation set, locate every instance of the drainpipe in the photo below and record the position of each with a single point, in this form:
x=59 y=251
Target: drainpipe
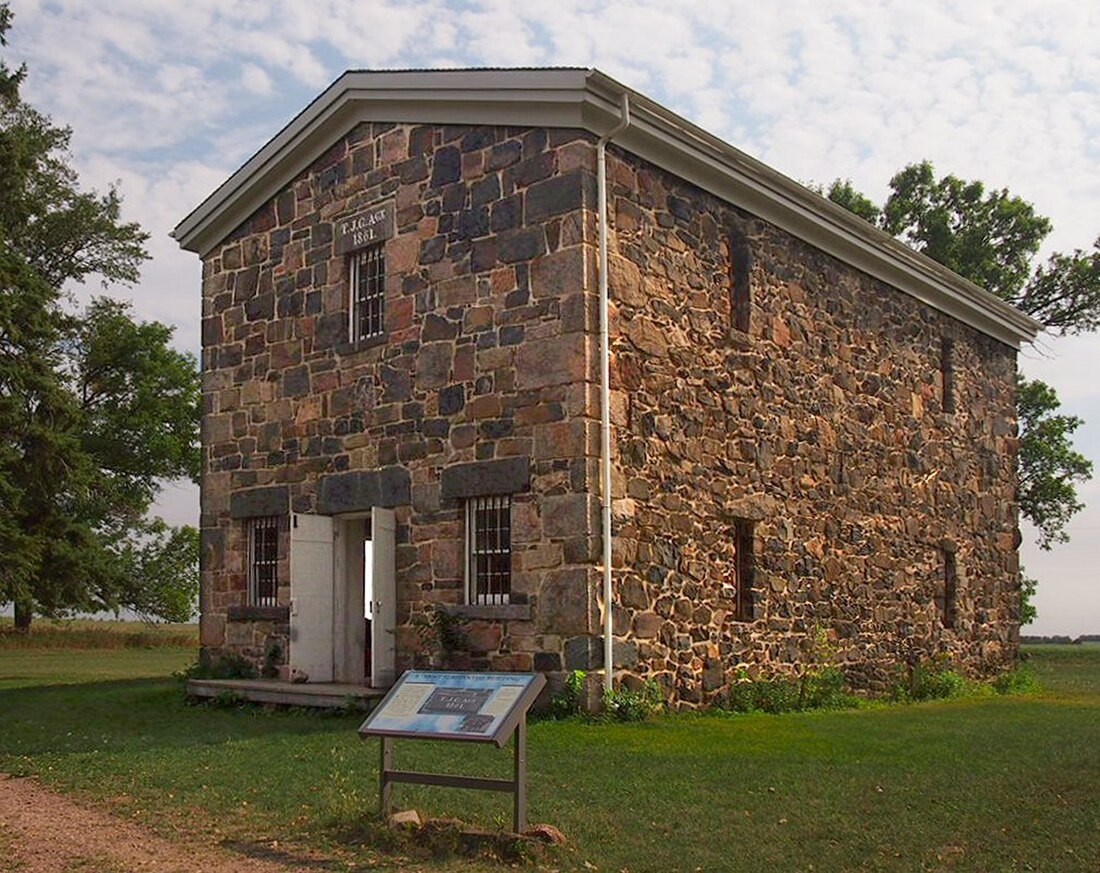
x=605 y=385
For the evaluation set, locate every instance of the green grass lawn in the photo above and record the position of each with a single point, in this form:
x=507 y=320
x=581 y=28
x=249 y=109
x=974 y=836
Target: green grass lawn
x=85 y=633
x=983 y=783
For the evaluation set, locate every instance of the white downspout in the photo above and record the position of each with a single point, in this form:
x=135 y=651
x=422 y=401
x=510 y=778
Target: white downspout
x=605 y=387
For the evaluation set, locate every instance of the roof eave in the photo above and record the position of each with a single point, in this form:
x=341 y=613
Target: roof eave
x=589 y=100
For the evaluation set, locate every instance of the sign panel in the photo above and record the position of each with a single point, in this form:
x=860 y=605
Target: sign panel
x=455 y=706
x=365 y=228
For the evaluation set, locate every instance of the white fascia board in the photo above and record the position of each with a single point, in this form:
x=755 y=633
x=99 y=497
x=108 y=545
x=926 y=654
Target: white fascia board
x=691 y=153
x=588 y=99
x=522 y=98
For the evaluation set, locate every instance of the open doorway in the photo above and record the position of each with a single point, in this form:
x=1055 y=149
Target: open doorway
x=354 y=596
x=363 y=634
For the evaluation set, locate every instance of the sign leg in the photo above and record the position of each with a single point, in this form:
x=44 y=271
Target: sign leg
x=519 y=810
x=385 y=787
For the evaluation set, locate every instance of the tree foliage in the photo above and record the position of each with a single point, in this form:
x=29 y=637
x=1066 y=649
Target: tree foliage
x=1049 y=465
x=844 y=193
x=988 y=237
x=95 y=407
x=992 y=238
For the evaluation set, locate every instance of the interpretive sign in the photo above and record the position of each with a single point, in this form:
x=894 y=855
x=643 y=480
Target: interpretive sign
x=436 y=705
x=456 y=706
x=365 y=228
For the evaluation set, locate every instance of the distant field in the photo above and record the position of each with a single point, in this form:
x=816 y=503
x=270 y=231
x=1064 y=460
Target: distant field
x=29 y=668
x=94 y=634
x=991 y=783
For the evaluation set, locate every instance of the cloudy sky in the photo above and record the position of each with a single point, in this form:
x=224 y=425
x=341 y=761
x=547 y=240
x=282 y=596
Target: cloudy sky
x=168 y=98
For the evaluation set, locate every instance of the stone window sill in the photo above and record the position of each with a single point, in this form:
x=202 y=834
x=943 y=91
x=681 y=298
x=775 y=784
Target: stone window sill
x=489 y=612
x=350 y=348
x=738 y=339
x=258 y=613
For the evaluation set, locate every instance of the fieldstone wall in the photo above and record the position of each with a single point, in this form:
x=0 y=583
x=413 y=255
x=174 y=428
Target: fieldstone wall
x=487 y=358
x=824 y=425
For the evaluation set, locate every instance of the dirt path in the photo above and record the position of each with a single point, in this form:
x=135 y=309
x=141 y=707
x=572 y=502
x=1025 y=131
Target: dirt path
x=44 y=832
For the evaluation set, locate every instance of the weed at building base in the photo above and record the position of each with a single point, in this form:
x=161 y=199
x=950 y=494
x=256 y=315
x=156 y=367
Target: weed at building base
x=619 y=704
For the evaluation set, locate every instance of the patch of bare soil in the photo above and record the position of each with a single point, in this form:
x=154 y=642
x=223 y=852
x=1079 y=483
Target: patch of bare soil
x=44 y=832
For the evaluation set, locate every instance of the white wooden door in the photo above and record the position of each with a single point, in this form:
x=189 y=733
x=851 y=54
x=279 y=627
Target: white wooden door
x=312 y=602
x=383 y=597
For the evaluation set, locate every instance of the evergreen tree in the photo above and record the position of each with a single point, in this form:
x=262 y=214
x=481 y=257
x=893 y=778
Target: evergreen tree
x=95 y=407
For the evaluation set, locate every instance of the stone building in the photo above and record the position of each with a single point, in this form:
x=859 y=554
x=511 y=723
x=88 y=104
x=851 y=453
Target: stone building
x=812 y=428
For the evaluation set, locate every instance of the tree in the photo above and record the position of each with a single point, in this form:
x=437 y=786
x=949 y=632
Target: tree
x=992 y=239
x=1049 y=465
x=95 y=407
x=843 y=193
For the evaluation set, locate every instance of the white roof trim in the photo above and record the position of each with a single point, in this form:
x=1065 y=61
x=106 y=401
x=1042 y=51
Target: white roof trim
x=589 y=99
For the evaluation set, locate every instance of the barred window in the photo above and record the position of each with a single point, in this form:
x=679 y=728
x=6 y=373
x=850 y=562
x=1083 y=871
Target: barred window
x=367 y=272
x=263 y=560
x=489 y=549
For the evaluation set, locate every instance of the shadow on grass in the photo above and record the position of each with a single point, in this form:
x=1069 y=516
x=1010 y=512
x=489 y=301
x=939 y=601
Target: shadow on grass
x=138 y=714
x=265 y=852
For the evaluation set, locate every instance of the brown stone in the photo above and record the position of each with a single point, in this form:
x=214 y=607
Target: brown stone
x=433 y=365
x=558 y=274
x=647 y=625
x=568 y=514
x=482 y=636
x=625 y=283
x=646 y=336
x=564 y=602
x=552 y=361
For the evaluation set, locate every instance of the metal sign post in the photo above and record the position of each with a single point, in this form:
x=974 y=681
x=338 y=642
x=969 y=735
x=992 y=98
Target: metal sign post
x=468 y=707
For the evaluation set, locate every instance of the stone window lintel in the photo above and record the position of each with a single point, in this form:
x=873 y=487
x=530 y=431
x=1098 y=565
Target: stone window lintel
x=488 y=612
x=258 y=613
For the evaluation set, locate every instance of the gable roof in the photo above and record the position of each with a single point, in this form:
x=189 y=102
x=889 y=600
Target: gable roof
x=590 y=100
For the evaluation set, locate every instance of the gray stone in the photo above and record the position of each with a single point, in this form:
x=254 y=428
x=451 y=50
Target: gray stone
x=211 y=331
x=452 y=399
x=547 y=662
x=331 y=329
x=504 y=155
x=473 y=223
x=212 y=548
x=433 y=364
x=296 y=382
x=269 y=500
x=582 y=653
x=396 y=384
x=446 y=167
x=432 y=250
x=260 y=308
x=558 y=195
x=586 y=653
x=485 y=191
x=521 y=245
x=360 y=490
x=484 y=478
x=564 y=604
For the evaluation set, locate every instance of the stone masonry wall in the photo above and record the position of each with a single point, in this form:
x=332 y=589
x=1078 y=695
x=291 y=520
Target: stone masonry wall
x=824 y=425
x=487 y=357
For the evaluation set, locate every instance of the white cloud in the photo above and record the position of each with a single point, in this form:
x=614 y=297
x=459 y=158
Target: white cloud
x=256 y=80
